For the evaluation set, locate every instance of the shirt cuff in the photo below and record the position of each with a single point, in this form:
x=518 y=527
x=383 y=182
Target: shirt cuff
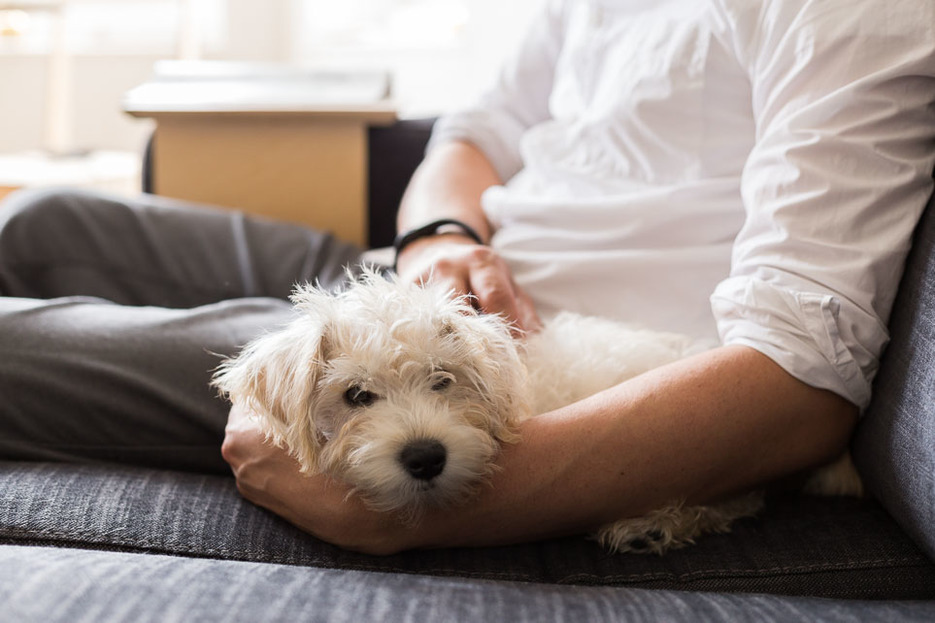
x=818 y=338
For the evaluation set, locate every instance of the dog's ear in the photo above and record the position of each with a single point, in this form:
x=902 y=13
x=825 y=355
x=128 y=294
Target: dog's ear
x=496 y=369
x=276 y=376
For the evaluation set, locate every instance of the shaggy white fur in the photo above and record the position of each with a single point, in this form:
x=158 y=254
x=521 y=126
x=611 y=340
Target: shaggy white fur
x=406 y=394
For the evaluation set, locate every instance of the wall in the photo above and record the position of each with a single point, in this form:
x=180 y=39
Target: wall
x=427 y=82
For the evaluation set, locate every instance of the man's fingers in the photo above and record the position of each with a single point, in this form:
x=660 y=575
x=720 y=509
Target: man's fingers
x=495 y=294
x=529 y=320
x=447 y=274
x=239 y=417
x=492 y=284
x=477 y=270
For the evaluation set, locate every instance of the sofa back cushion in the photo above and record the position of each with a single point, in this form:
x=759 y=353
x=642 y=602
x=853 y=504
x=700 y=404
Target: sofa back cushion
x=894 y=447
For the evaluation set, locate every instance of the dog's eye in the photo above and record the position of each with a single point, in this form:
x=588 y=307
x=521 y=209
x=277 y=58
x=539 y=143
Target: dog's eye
x=442 y=383
x=359 y=397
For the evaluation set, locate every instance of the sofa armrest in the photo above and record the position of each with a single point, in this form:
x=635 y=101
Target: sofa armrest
x=394 y=153
x=894 y=447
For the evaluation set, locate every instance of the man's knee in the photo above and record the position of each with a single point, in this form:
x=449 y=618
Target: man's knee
x=34 y=216
x=34 y=208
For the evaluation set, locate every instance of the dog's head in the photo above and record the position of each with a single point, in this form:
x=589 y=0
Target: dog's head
x=401 y=391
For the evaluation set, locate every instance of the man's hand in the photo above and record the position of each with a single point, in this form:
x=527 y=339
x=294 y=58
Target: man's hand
x=466 y=268
x=267 y=476
x=449 y=184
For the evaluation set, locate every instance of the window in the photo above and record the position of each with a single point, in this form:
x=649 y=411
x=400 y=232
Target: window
x=441 y=53
x=381 y=25
x=70 y=61
x=115 y=27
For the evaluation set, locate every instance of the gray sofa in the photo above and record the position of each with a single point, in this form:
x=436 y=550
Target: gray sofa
x=100 y=542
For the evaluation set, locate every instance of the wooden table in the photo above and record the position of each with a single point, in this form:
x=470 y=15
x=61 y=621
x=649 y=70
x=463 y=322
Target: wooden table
x=304 y=164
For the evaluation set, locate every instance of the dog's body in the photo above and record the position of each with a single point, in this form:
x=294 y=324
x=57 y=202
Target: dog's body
x=407 y=394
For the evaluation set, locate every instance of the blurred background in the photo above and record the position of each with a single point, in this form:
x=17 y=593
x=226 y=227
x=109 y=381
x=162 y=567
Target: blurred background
x=66 y=65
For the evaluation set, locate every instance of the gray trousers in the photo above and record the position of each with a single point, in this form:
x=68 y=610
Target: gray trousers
x=114 y=313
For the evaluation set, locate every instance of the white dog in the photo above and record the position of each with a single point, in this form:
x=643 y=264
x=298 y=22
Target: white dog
x=406 y=394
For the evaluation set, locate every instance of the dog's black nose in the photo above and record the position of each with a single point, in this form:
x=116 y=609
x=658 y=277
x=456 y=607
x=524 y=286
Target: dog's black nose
x=424 y=459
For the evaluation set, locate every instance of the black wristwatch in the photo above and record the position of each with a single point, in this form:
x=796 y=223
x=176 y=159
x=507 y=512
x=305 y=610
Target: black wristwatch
x=435 y=228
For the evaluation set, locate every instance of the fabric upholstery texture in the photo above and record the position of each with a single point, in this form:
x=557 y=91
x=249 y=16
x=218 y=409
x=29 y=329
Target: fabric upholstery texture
x=801 y=546
x=894 y=447
x=87 y=587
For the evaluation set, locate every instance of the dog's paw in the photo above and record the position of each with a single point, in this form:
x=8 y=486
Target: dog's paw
x=655 y=533
x=676 y=525
x=652 y=542
x=837 y=478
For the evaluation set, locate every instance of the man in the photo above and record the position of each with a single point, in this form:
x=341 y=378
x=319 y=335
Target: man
x=745 y=170
x=654 y=154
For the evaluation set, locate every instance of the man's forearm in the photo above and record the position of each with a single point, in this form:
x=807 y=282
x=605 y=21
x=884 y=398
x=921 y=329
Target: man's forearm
x=699 y=429
x=449 y=183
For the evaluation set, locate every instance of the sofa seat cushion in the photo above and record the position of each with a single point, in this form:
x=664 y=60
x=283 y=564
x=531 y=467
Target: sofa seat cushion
x=66 y=585
x=800 y=545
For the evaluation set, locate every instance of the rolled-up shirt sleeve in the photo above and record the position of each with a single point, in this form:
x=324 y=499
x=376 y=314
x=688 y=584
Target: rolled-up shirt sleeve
x=518 y=100
x=843 y=94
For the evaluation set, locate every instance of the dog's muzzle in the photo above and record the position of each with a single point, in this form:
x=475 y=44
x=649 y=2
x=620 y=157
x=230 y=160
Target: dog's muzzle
x=423 y=459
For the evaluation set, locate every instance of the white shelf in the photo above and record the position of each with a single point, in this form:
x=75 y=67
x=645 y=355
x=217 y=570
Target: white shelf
x=110 y=171
x=217 y=86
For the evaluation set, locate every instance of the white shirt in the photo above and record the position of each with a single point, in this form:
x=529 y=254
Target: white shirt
x=748 y=169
